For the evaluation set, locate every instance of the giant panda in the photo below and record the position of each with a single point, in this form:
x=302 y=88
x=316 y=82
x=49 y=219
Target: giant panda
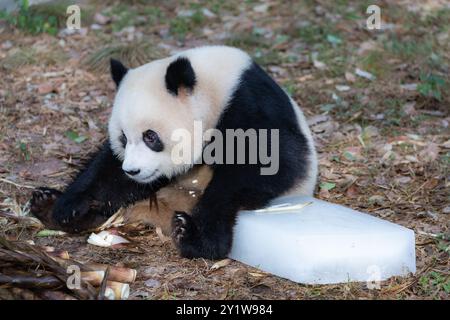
x=224 y=89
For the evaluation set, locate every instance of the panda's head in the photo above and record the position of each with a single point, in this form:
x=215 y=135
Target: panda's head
x=151 y=102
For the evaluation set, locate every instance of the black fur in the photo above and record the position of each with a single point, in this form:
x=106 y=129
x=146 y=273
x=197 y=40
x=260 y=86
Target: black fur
x=257 y=103
x=152 y=140
x=118 y=71
x=180 y=74
x=98 y=191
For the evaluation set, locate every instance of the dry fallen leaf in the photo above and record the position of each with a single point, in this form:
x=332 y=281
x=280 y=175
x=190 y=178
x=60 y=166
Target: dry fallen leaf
x=377 y=199
x=350 y=77
x=324 y=193
x=46 y=88
x=318 y=64
x=430 y=153
x=257 y=274
x=402 y=180
x=431 y=183
x=221 y=264
x=446 y=144
x=364 y=74
x=366 y=46
x=409 y=109
x=101 y=19
x=161 y=235
x=352 y=191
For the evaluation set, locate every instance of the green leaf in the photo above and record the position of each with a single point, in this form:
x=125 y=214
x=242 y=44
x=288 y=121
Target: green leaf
x=23 y=147
x=24 y=151
x=335 y=159
x=25 y=5
x=50 y=233
x=333 y=39
x=281 y=38
x=424 y=280
x=431 y=85
x=72 y=135
x=327 y=186
x=349 y=156
x=446 y=287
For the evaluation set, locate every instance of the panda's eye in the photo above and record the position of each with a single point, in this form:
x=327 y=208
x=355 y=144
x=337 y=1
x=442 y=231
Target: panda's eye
x=152 y=140
x=123 y=140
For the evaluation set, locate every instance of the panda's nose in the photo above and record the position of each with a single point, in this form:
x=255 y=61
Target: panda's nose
x=132 y=172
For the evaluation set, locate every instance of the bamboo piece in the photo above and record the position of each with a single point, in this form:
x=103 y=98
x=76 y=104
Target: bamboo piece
x=24 y=294
x=34 y=282
x=119 y=274
x=101 y=290
x=93 y=277
x=62 y=254
x=95 y=272
x=117 y=290
x=24 y=254
x=6 y=294
x=109 y=294
x=114 y=281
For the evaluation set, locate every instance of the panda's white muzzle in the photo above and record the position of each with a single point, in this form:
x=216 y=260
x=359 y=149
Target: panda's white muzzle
x=140 y=163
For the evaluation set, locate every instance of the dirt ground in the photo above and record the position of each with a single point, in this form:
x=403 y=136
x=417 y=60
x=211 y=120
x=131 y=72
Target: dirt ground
x=377 y=102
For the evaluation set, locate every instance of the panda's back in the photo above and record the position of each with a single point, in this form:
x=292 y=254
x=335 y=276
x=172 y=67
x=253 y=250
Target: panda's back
x=233 y=75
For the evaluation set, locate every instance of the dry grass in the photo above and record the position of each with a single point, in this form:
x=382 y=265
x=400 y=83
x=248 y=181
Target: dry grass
x=131 y=54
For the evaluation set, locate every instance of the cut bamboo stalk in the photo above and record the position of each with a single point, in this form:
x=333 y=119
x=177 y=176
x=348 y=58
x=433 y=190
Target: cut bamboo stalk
x=47 y=248
x=102 y=288
x=109 y=294
x=93 y=277
x=29 y=256
x=24 y=294
x=119 y=274
x=6 y=294
x=62 y=254
x=117 y=290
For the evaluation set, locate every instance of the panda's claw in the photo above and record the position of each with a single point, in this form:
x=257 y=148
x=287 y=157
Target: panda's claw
x=42 y=199
x=178 y=226
x=41 y=203
x=179 y=235
x=183 y=227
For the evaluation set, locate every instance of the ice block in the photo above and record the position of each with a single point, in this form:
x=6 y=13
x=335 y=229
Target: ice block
x=312 y=241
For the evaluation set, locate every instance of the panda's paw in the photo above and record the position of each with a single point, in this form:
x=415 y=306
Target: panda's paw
x=75 y=213
x=42 y=202
x=191 y=243
x=186 y=237
x=183 y=227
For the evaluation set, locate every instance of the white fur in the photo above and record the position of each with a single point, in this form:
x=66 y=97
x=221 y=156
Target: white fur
x=307 y=186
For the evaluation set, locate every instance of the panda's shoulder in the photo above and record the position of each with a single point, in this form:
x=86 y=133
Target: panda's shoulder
x=215 y=51
x=217 y=58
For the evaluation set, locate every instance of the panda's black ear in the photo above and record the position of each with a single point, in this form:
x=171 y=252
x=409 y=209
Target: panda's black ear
x=118 y=71
x=180 y=74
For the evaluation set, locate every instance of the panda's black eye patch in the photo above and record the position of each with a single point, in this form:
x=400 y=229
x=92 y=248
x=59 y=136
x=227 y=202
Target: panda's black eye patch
x=151 y=139
x=123 y=140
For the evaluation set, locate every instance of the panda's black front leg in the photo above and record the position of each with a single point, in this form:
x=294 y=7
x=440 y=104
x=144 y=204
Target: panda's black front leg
x=208 y=231
x=98 y=191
